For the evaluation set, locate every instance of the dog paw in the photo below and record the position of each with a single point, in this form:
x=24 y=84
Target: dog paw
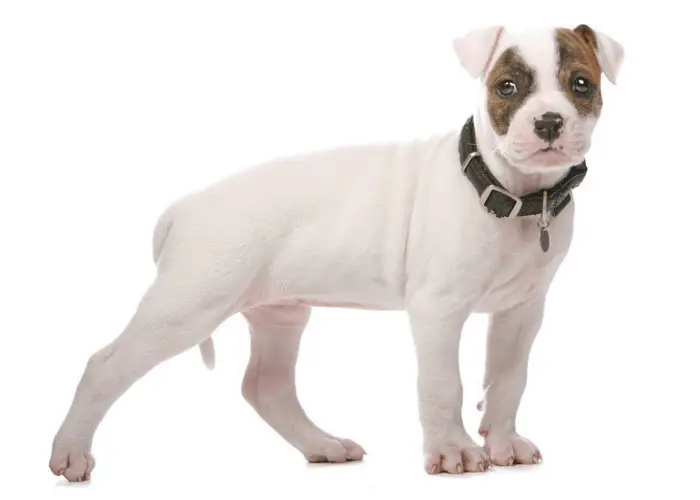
x=511 y=449
x=334 y=450
x=73 y=463
x=456 y=458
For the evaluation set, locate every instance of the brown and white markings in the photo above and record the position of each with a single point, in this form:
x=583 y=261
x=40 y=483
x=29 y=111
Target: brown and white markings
x=543 y=92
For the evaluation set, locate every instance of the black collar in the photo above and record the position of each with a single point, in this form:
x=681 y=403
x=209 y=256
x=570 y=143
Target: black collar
x=496 y=199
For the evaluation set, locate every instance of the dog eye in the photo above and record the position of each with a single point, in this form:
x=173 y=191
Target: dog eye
x=507 y=88
x=581 y=85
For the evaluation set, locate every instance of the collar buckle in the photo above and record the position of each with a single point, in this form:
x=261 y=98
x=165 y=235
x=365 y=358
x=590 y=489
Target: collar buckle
x=518 y=203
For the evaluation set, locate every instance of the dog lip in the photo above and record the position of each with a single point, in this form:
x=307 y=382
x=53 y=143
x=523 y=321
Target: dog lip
x=549 y=151
x=547 y=156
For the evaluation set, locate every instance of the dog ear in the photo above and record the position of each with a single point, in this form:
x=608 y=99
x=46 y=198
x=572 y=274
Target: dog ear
x=609 y=52
x=476 y=48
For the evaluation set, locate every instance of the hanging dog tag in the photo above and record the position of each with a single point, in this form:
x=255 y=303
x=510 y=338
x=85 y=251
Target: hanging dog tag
x=544 y=239
x=544 y=224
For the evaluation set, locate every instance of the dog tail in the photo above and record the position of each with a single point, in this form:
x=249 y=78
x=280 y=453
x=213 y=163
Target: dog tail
x=160 y=236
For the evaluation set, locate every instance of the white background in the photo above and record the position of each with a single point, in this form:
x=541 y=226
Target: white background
x=111 y=110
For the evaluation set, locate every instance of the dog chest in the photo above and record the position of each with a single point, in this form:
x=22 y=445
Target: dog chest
x=522 y=270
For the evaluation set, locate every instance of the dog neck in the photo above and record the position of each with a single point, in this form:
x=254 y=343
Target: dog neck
x=513 y=179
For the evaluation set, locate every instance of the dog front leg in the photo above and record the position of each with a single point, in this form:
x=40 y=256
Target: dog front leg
x=437 y=328
x=510 y=338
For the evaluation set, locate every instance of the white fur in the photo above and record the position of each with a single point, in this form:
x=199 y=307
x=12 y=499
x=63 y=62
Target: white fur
x=475 y=49
x=610 y=54
x=388 y=226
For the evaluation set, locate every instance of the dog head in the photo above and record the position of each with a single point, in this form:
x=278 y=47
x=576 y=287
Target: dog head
x=542 y=90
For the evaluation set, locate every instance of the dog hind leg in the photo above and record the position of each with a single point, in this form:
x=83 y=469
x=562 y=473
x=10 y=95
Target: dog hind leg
x=269 y=384
x=173 y=316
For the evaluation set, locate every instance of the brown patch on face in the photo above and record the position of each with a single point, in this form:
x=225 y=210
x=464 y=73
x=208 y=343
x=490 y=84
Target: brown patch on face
x=510 y=71
x=579 y=70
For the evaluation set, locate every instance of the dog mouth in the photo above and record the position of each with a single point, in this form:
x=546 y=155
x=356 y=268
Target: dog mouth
x=546 y=157
x=541 y=155
x=550 y=153
x=550 y=149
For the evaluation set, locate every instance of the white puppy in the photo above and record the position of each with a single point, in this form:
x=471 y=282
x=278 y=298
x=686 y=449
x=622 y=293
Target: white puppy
x=442 y=228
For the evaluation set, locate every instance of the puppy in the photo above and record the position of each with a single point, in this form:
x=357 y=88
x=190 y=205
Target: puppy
x=474 y=221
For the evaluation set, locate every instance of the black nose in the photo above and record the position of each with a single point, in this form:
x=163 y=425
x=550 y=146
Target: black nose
x=548 y=127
